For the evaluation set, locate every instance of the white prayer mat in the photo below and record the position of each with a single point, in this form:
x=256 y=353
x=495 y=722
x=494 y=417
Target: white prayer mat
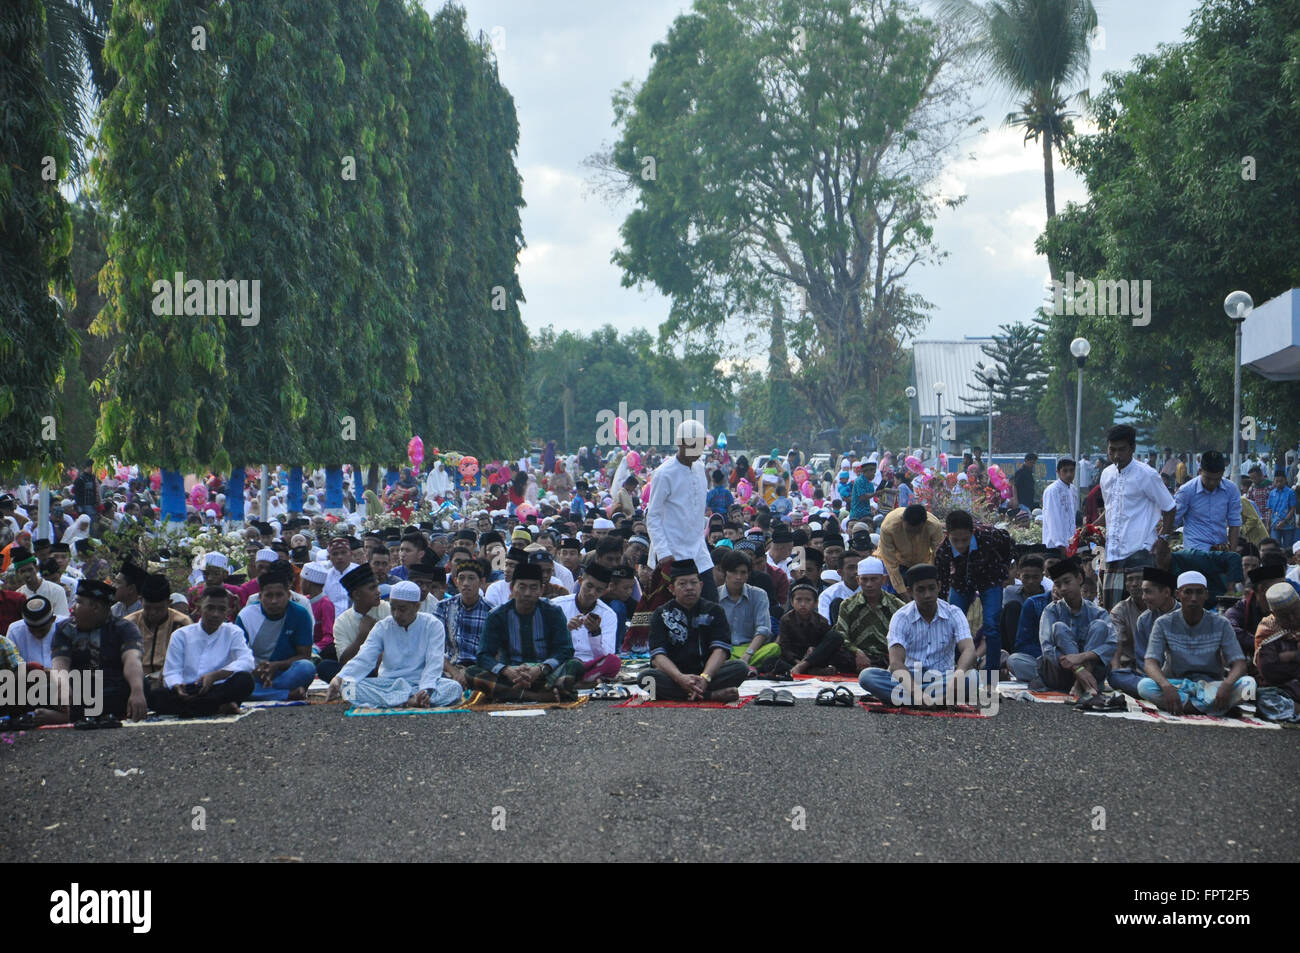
x=163 y=721
x=799 y=688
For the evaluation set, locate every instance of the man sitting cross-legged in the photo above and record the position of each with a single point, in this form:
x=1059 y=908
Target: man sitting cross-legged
x=1192 y=646
x=1077 y=637
x=809 y=646
x=1278 y=638
x=209 y=665
x=690 y=645
x=409 y=648
x=1128 y=666
x=864 y=618
x=526 y=653
x=592 y=625
x=279 y=632
x=925 y=637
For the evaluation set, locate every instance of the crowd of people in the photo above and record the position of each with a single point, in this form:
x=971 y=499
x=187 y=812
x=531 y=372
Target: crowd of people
x=1152 y=581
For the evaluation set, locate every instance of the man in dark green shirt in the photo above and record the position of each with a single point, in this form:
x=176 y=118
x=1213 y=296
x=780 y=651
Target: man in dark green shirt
x=864 y=617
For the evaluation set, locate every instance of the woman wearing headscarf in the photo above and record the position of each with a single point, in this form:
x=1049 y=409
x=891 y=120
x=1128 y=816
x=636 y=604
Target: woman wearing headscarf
x=743 y=471
x=80 y=529
x=562 y=482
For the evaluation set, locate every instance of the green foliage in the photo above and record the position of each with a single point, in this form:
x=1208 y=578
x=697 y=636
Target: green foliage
x=568 y=373
x=1015 y=373
x=1168 y=203
x=35 y=241
x=778 y=150
x=354 y=157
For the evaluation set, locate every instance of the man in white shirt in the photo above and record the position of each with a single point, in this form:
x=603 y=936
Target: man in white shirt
x=31 y=634
x=925 y=637
x=1135 y=501
x=353 y=627
x=1060 y=507
x=408 y=647
x=839 y=591
x=676 y=516
x=209 y=667
x=340 y=559
x=27 y=573
x=593 y=627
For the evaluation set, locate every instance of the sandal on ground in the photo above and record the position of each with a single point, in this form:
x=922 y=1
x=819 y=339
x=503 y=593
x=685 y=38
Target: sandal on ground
x=766 y=697
x=825 y=698
x=843 y=696
x=1094 y=702
x=783 y=699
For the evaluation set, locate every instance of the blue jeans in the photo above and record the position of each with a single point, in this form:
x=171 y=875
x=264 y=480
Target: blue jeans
x=298 y=675
x=991 y=600
x=1285 y=536
x=881 y=684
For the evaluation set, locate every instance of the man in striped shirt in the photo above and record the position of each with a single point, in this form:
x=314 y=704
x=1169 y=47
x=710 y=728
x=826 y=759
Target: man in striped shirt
x=926 y=637
x=464 y=616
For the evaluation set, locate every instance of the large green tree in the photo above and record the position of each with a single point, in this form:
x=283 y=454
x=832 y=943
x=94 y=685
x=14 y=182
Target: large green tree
x=158 y=176
x=781 y=150
x=35 y=240
x=1193 y=185
x=74 y=62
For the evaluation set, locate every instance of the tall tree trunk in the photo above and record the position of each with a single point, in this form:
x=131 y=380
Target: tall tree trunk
x=1049 y=191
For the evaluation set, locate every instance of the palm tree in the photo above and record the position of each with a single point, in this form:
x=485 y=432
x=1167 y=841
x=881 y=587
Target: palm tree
x=1036 y=49
x=74 y=65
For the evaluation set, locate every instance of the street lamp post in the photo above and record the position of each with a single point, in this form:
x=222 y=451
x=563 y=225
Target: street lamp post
x=938 y=416
x=1080 y=348
x=910 y=394
x=993 y=378
x=1237 y=306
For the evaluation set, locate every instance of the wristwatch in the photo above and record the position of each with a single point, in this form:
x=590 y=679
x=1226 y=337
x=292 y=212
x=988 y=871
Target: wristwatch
x=706 y=676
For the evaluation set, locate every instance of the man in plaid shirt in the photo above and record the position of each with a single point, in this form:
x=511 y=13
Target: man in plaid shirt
x=464 y=616
x=1257 y=490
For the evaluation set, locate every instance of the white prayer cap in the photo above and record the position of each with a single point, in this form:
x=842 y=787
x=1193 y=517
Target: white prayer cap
x=871 y=566
x=857 y=465
x=266 y=556
x=405 y=591
x=1192 y=578
x=1295 y=547
x=875 y=539
x=179 y=598
x=216 y=559
x=858 y=527
x=275 y=525
x=314 y=572
x=814 y=527
x=690 y=431
x=830 y=575
x=602 y=523
x=536 y=530
x=874 y=458
x=1281 y=595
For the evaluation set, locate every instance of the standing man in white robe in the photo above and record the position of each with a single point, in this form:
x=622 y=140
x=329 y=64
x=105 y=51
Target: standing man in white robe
x=676 y=515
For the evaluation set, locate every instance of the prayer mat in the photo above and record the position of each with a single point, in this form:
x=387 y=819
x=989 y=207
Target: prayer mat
x=359 y=712
x=477 y=703
x=828 y=678
x=642 y=703
x=963 y=711
x=1148 y=711
x=1019 y=691
x=800 y=688
x=274 y=704
x=160 y=721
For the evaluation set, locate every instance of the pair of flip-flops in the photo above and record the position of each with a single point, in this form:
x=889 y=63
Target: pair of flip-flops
x=831 y=697
x=611 y=693
x=779 y=698
x=97 y=722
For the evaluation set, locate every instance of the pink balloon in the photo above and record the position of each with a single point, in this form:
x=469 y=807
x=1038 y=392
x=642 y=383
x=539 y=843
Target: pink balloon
x=1006 y=493
x=806 y=488
x=633 y=461
x=744 y=489
x=645 y=494
x=415 y=452
x=994 y=468
x=800 y=476
x=914 y=464
x=620 y=430
x=525 y=510
x=943 y=461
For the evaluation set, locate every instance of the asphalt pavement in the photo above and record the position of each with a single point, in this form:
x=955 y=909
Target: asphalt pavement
x=1037 y=782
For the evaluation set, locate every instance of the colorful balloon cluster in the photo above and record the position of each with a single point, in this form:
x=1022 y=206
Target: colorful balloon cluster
x=999 y=481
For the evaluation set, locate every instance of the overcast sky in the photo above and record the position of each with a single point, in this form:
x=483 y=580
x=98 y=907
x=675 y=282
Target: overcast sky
x=561 y=59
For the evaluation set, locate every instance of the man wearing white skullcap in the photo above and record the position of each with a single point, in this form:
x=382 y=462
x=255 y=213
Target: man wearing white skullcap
x=676 y=516
x=1188 y=644
x=1277 y=641
x=864 y=617
x=408 y=647
x=216 y=567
